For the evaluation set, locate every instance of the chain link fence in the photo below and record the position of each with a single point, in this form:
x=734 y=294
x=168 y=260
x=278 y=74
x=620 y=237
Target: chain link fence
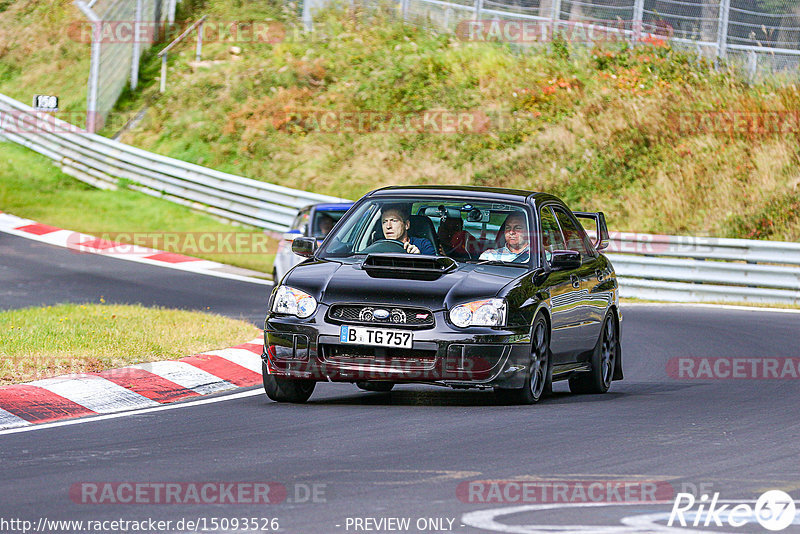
x=121 y=30
x=760 y=36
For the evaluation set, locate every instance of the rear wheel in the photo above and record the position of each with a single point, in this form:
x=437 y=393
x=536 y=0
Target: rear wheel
x=604 y=358
x=281 y=389
x=381 y=387
x=538 y=381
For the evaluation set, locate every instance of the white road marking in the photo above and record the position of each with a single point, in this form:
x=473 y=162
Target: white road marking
x=487 y=520
x=624 y=305
x=9 y=420
x=634 y=524
x=95 y=393
x=176 y=406
x=242 y=357
x=187 y=376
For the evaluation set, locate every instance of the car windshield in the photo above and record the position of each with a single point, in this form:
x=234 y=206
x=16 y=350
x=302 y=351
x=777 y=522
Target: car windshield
x=462 y=229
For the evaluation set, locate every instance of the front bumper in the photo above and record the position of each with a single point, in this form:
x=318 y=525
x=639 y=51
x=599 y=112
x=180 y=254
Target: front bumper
x=445 y=355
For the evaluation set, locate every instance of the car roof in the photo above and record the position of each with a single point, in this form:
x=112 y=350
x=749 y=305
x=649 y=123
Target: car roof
x=495 y=193
x=342 y=206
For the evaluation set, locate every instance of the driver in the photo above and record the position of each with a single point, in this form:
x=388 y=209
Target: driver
x=515 y=229
x=395 y=224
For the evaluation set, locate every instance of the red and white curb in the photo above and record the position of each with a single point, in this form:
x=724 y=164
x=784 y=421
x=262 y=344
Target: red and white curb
x=143 y=385
x=85 y=243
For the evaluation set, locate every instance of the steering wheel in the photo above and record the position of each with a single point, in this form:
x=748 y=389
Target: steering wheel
x=385 y=245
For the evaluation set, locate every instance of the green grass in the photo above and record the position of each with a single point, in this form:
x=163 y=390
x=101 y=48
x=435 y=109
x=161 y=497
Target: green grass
x=76 y=338
x=31 y=187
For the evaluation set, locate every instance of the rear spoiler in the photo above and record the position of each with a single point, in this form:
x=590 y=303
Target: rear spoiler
x=601 y=238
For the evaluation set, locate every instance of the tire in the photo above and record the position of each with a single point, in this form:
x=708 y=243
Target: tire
x=604 y=359
x=380 y=387
x=287 y=389
x=539 y=379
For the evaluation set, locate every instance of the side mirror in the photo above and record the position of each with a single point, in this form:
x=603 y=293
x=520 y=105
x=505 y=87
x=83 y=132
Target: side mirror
x=563 y=260
x=304 y=246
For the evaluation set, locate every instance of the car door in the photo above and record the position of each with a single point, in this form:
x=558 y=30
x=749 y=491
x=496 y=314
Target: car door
x=564 y=286
x=589 y=304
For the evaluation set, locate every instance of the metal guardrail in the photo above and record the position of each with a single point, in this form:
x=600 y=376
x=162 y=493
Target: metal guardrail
x=657 y=267
x=105 y=163
x=682 y=268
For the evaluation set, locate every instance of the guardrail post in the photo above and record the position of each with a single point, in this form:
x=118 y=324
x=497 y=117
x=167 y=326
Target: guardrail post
x=164 y=73
x=722 y=28
x=94 y=69
x=752 y=65
x=478 y=9
x=638 y=17
x=137 y=46
x=404 y=9
x=308 y=21
x=555 y=16
x=199 y=53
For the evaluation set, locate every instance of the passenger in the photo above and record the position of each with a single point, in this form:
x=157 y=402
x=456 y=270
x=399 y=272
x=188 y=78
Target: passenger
x=453 y=238
x=325 y=224
x=395 y=224
x=517 y=247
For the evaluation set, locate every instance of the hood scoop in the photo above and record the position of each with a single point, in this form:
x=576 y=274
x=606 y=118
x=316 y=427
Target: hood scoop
x=408 y=266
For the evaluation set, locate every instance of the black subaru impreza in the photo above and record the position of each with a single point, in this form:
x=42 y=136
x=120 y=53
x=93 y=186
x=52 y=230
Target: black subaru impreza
x=465 y=287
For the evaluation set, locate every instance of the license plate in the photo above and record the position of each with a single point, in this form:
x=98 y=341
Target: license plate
x=381 y=337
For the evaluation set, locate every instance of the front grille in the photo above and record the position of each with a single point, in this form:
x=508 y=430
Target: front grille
x=377 y=356
x=374 y=315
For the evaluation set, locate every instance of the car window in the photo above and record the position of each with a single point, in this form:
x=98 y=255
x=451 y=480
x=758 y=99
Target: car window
x=572 y=232
x=300 y=223
x=325 y=220
x=551 y=233
x=464 y=230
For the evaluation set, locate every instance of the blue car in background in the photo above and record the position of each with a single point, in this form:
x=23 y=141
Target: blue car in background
x=315 y=220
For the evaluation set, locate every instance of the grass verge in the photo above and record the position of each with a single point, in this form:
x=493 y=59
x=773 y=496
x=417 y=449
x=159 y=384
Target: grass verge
x=31 y=187
x=77 y=338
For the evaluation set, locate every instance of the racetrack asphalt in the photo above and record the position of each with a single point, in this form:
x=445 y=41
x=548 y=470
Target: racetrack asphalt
x=37 y=274
x=404 y=454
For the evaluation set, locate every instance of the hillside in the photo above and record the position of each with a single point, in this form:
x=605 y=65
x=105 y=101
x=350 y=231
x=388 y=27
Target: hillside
x=626 y=130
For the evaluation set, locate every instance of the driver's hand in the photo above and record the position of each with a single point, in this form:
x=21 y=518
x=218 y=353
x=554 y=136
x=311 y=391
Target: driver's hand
x=411 y=249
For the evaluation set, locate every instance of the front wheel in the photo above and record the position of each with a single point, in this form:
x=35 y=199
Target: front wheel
x=604 y=358
x=538 y=381
x=281 y=389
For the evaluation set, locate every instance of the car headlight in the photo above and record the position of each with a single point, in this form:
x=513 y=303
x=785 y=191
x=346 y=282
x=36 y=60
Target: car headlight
x=292 y=301
x=489 y=312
